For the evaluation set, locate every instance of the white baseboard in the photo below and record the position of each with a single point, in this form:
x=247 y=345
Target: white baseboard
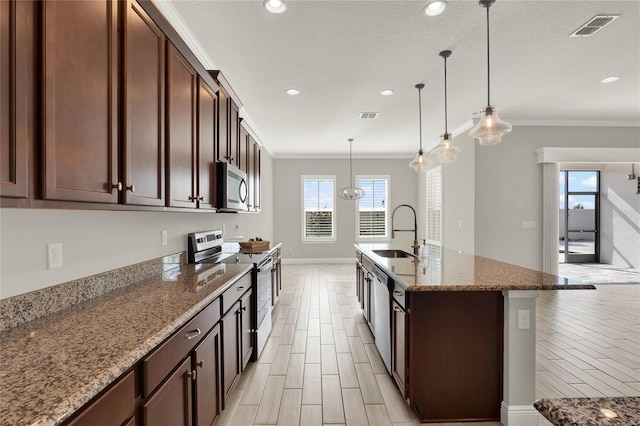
x=518 y=415
x=318 y=260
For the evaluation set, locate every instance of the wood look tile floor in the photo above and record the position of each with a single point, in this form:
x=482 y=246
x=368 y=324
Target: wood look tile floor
x=320 y=365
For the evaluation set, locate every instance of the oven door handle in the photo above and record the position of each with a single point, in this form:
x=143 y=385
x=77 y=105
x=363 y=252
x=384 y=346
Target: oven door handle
x=266 y=265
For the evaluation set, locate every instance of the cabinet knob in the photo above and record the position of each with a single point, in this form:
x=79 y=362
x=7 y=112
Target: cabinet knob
x=397 y=309
x=244 y=308
x=192 y=334
x=200 y=198
x=192 y=198
x=200 y=363
x=240 y=288
x=131 y=188
x=193 y=374
x=117 y=186
x=398 y=293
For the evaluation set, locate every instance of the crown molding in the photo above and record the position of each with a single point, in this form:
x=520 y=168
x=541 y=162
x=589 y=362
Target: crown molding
x=573 y=123
x=588 y=155
x=316 y=156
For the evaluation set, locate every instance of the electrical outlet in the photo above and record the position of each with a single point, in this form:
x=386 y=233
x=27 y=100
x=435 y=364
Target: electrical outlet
x=460 y=223
x=523 y=319
x=164 y=238
x=224 y=230
x=237 y=227
x=54 y=255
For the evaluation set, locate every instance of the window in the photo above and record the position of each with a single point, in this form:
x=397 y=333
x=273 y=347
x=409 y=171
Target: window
x=372 y=220
x=434 y=205
x=318 y=202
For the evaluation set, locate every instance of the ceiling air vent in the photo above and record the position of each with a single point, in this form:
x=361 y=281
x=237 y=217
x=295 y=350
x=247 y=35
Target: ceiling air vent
x=366 y=115
x=594 y=25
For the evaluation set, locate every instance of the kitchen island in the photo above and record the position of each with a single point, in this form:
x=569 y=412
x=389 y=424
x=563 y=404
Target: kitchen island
x=462 y=330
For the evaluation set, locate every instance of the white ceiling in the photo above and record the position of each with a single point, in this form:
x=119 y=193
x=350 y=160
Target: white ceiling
x=341 y=54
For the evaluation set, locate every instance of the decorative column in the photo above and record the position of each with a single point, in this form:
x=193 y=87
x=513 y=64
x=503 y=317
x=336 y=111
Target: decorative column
x=519 y=359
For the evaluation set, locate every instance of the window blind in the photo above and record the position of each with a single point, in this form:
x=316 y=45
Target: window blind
x=373 y=211
x=434 y=205
x=318 y=208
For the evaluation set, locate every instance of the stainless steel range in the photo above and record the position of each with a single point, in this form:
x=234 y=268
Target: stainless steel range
x=209 y=247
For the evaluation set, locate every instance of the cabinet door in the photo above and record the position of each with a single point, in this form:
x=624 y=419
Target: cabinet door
x=171 y=404
x=256 y=177
x=224 y=103
x=230 y=350
x=207 y=104
x=181 y=140
x=399 y=348
x=243 y=150
x=234 y=133
x=80 y=102
x=14 y=72
x=247 y=327
x=207 y=389
x=143 y=179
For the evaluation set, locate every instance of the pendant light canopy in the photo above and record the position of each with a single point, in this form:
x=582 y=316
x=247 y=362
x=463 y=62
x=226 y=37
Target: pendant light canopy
x=490 y=129
x=350 y=192
x=420 y=163
x=446 y=150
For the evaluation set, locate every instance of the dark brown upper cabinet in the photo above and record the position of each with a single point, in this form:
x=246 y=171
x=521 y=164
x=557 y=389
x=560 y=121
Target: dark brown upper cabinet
x=79 y=72
x=254 y=174
x=243 y=150
x=207 y=138
x=143 y=177
x=15 y=72
x=182 y=83
x=228 y=121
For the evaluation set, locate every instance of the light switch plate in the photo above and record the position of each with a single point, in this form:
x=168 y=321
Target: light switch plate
x=530 y=224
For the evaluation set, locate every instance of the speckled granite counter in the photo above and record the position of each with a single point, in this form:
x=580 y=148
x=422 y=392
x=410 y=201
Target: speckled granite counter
x=587 y=411
x=51 y=366
x=450 y=270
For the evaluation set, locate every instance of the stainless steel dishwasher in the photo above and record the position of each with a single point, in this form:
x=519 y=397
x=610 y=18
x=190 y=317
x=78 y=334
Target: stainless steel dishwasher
x=382 y=315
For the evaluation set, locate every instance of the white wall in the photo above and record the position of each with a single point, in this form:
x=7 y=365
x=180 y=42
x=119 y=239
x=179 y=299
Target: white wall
x=619 y=216
x=98 y=241
x=508 y=185
x=288 y=202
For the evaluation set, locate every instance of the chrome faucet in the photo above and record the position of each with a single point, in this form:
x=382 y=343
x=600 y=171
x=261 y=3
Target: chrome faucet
x=416 y=244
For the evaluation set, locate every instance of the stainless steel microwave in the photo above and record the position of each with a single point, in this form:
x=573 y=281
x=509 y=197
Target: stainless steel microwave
x=232 y=188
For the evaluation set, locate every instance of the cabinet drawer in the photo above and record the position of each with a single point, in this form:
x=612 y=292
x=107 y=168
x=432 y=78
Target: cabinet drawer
x=159 y=364
x=399 y=295
x=233 y=293
x=367 y=263
x=114 y=407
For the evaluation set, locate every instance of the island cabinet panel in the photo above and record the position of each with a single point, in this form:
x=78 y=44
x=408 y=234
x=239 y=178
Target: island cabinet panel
x=455 y=345
x=399 y=347
x=207 y=359
x=182 y=82
x=115 y=406
x=15 y=72
x=207 y=110
x=144 y=64
x=79 y=45
x=171 y=405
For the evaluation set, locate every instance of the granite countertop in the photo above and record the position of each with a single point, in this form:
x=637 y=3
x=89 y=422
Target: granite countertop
x=587 y=411
x=50 y=367
x=451 y=270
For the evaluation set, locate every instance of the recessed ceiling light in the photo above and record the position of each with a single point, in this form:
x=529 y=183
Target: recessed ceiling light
x=434 y=8
x=293 y=92
x=275 y=6
x=609 y=79
x=387 y=92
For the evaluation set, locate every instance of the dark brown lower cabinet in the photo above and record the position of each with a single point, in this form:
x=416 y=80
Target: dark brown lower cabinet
x=231 y=350
x=399 y=346
x=207 y=357
x=171 y=404
x=246 y=325
x=114 y=407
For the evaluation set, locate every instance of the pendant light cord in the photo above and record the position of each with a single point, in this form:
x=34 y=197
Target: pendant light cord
x=488 y=62
x=420 y=114
x=446 y=131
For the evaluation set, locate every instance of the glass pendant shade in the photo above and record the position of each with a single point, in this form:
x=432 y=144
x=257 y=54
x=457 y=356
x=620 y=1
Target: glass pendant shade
x=350 y=192
x=446 y=150
x=420 y=163
x=490 y=129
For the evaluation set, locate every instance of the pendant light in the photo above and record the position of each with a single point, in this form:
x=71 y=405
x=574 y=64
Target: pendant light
x=490 y=129
x=351 y=192
x=446 y=150
x=420 y=163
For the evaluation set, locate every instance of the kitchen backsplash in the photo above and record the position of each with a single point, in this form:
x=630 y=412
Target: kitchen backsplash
x=29 y=306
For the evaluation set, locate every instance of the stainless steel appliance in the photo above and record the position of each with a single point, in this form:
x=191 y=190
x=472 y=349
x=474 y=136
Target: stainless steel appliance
x=382 y=315
x=209 y=247
x=232 y=188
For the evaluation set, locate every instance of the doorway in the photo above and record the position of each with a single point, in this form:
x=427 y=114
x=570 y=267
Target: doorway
x=579 y=216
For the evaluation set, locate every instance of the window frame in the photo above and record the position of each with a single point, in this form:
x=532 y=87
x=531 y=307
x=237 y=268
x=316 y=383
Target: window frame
x=387 y=236
x=318 y=240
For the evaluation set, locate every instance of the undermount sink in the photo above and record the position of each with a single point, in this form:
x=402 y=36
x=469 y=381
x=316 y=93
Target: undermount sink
x=394 y=254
